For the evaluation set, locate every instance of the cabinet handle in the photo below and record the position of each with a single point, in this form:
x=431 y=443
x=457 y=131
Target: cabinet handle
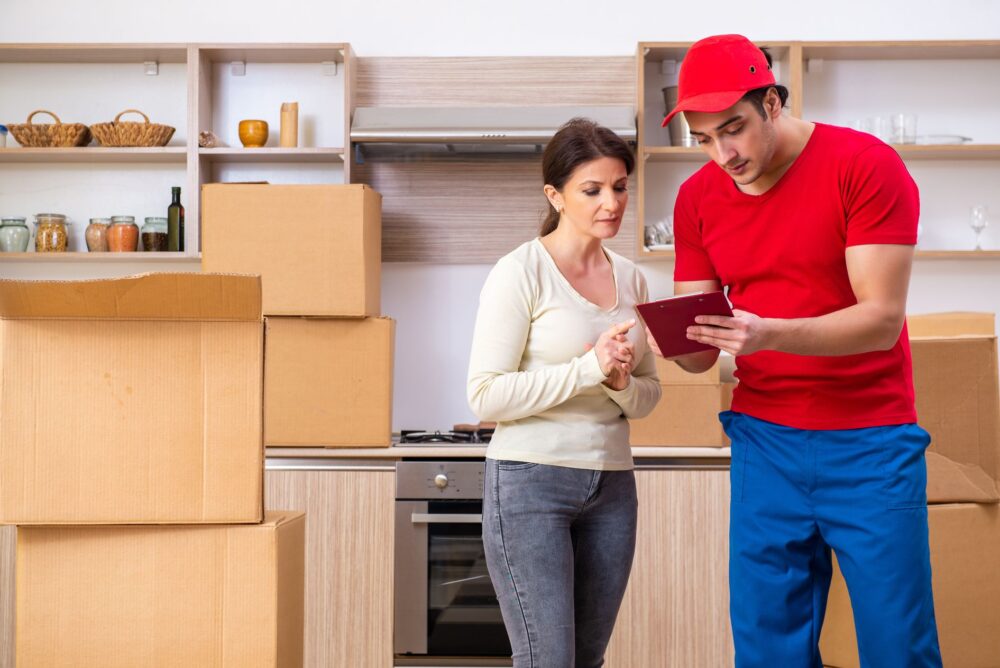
x=445 y=518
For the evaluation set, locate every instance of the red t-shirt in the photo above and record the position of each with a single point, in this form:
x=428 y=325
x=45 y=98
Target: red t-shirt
x=782 y=255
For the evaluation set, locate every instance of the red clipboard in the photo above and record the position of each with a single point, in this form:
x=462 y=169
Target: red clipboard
x=668 y=319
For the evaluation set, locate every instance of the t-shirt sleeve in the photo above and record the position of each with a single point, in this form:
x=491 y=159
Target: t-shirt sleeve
x=881 y=200
x=691 y=262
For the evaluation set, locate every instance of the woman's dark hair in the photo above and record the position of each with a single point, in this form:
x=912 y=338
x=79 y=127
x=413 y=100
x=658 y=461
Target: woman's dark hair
x=756 y=96
x=580 y=140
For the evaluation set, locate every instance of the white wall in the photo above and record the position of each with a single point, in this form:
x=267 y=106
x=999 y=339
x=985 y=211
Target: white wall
x=435 y=306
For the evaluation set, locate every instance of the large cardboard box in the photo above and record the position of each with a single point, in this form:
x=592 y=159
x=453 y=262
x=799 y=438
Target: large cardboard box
x=318 y=248
x=328 y=382
x=965 y=542
x=132 y=400
x=116 y=596
x=687 y=415
x=958 y=402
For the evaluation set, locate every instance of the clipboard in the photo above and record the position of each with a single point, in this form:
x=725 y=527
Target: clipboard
x=668 y=319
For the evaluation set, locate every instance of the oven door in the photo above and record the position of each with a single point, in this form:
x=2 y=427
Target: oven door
x=445 y=603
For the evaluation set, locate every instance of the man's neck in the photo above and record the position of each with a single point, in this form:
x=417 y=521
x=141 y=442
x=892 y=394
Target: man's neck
x=792 y=136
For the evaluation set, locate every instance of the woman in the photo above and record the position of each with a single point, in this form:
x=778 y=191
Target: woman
x=558 y=361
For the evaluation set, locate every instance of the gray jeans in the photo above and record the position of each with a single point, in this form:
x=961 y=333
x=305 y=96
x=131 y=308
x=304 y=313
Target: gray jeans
x=559 y=543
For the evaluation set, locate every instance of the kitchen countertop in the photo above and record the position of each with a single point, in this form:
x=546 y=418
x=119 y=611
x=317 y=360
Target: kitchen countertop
x=474 y=451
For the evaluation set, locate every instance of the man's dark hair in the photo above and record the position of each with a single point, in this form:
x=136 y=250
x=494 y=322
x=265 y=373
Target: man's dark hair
x=756 y=96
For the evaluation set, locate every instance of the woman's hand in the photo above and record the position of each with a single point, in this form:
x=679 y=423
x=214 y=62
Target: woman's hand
x=616 y=354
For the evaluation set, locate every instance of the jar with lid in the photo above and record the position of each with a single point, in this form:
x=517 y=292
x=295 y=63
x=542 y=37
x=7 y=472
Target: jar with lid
x=123 y=235
x=96 y=235
x=154 y=234
x=50 y=233
x=14 y=235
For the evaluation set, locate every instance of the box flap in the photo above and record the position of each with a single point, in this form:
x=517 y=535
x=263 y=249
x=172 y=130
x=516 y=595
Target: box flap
x=956 y=323
x=155 y=296
x=951 y=482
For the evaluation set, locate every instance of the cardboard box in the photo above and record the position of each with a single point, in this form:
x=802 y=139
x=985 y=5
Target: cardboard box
x=965 y=542
x=958 y=402
x=114 y=596
x=328 y=382
x=318 y=248
x=132 y=400
x=687 y=415
x=671 y=374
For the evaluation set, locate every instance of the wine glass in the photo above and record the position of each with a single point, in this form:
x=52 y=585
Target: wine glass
x=978 y=222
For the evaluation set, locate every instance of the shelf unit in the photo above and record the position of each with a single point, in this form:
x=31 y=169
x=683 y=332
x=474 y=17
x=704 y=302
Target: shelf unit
x=193 y=87
x=836 y=82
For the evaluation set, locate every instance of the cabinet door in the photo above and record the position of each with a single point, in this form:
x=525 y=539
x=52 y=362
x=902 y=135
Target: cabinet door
x=676 y=608
x=349 y=559
x=7 y=543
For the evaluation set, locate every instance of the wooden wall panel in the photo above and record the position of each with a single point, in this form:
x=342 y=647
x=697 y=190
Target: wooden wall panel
x=476 y=210
x=465 y=212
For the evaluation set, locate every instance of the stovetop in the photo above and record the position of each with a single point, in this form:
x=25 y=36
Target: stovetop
x=472 y=436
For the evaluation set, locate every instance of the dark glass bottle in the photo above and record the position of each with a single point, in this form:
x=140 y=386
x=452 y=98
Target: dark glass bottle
x=175 y=222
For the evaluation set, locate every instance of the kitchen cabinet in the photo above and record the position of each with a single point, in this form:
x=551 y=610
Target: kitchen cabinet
x=192 y=87
x=676 y=607
x=349 y=557
x=7 y=543
x=844 y=83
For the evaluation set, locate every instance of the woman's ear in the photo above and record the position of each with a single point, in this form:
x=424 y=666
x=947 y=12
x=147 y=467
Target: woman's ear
x=553 y=196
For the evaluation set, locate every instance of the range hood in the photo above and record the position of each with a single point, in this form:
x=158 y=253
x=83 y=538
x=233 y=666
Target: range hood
x=421 y=132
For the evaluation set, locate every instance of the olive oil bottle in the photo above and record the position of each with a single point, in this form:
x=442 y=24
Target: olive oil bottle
x=175 y=222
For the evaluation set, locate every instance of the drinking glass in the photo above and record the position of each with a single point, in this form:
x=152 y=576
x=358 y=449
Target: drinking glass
x=978 y=222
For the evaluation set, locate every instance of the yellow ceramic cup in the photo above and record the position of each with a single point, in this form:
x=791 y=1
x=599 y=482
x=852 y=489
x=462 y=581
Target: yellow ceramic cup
x=253 y=133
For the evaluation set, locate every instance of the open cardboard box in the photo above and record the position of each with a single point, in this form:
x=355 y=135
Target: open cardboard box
x=958 y=402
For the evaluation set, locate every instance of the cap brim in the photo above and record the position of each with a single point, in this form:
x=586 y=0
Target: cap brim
x=707 y=102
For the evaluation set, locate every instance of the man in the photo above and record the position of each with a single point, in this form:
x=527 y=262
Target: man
x=811 y=229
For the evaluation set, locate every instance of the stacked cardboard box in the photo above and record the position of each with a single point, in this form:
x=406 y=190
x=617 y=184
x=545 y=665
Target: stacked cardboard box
x=958 y=402
x=138 y=401
x=688 y=411
x=329 y=355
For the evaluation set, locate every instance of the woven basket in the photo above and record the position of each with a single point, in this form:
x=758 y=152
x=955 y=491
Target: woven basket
x=44 y=135
x=130 y=133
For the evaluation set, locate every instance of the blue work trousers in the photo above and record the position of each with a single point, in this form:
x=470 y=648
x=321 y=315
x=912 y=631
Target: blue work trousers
x=797 y=494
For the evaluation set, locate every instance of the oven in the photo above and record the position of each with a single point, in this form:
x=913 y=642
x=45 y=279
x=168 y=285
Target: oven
x=445 y=607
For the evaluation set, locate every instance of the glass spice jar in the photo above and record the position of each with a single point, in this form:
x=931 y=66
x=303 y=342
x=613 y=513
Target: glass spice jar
x=96 y=235
x=123 y=235
x=154 y=234
x=14 y=235
x=50 y=233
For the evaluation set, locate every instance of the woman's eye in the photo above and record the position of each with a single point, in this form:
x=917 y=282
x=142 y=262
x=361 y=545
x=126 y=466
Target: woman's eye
x=621 y=189
x=591 y=192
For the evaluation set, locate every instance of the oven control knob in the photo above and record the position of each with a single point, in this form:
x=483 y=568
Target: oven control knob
x=440 y=481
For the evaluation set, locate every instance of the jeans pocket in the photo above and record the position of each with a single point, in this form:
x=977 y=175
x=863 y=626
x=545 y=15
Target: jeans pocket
x=904 y=466
x=510 y=465
x=738 y=454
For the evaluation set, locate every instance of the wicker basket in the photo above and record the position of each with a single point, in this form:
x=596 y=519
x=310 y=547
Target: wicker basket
x=49 y=135
x=130 y=133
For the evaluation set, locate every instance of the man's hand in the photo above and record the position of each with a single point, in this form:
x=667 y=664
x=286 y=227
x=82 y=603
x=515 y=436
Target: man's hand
x=743 y=334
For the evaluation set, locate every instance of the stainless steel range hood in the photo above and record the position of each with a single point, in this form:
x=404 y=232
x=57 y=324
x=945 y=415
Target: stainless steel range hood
x=419 y=132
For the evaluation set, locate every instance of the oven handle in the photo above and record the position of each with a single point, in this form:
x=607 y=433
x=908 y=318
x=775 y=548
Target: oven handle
x=445 y=518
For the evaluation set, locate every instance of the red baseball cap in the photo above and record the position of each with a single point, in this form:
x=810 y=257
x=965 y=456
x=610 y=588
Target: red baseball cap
x=717 y=71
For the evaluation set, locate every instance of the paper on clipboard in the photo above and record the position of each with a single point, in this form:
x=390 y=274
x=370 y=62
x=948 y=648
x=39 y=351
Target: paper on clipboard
x=668 y=319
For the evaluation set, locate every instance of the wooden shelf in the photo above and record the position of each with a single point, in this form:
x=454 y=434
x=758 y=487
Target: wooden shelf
x=948 y=151
x=676 y=50
x=912 y=50
x=138 y=256
x=274 y=53
x=958 y=254
x=100 y=154
x=93 y=53
x=656 y=255
x=674 y=154
x=268 y=154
